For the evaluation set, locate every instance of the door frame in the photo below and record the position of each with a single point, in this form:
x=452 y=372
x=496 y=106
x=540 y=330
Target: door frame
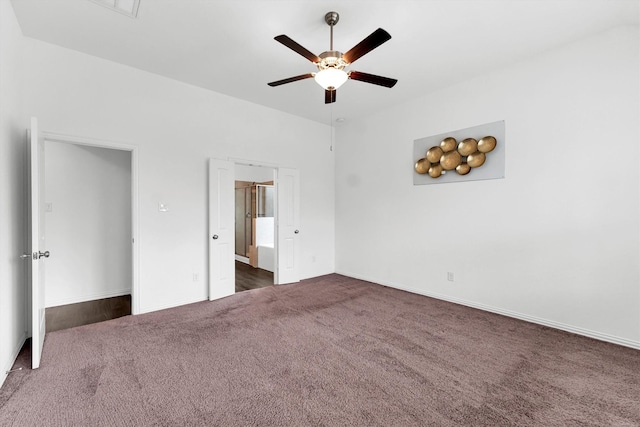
x=276 y=168
x=135 y=252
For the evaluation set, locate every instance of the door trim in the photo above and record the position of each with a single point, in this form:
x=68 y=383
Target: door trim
x=133 y=149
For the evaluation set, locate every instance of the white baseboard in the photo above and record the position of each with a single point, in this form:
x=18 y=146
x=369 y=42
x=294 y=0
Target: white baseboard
x=243 y=259
x=6 y=365
x=88 y=297
x=544 y=322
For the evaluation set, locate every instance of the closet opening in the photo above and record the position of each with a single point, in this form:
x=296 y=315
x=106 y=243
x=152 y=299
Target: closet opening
x=88 y=222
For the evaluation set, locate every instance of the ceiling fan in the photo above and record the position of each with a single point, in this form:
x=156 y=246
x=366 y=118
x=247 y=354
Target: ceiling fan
x=331 y=74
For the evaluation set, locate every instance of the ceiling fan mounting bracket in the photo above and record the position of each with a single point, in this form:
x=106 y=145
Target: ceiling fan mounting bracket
x=331 y=18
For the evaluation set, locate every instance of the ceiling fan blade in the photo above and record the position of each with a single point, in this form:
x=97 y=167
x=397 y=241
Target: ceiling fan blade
x=371 y=78
x=371 y=42
x=329 y=96
x=294 y=46
x=291 y=79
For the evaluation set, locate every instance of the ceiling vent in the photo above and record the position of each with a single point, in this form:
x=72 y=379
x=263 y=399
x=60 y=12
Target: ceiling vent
x=126 y=7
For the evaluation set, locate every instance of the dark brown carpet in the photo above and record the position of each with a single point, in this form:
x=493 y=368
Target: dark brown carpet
x=327 y=351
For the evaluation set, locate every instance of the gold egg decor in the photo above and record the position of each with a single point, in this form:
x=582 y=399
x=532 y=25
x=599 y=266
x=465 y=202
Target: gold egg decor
x=487 y=144
x=476 y=159
x=463 y=168
x=450 y=160
x=435 y=170
x=434 y=153
x=468 y=146
x=448 y=144
x=451 y=155
x=422 y=166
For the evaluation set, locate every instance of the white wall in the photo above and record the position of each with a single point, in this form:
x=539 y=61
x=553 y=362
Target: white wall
x=254 y=173
x=177 y=127
x=12 y=186
x=88 y=229
x=557 y=240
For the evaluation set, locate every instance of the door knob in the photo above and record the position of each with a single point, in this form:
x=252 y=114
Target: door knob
x=215 y=237
x=25 y=256
x=43 y=254
x=297 y=231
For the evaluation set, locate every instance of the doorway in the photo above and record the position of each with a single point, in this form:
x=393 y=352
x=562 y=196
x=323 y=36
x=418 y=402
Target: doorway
x=222 y=256
x=89 y=214
x=254 y=227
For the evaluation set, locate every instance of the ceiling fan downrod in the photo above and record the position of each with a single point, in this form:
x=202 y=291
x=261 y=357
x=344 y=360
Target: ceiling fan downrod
x=331 y=18
x=331 y=59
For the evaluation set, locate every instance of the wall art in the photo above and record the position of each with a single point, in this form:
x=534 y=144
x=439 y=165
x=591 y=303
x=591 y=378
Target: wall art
x=471 y=154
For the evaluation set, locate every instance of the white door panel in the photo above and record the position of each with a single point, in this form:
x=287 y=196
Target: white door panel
x=221 y=229
x=37 y=242
x=288 y=232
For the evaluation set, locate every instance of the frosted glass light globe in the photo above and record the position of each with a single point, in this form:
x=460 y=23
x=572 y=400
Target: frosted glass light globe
x=331 y=78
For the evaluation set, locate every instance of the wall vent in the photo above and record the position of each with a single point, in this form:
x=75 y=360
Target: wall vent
x=126 y=7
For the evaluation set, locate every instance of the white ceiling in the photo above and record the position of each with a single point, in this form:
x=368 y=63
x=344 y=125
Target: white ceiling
x=227 y=45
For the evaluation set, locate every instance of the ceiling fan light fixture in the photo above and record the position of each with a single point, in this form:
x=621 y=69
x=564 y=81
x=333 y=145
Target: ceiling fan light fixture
x=331 y=78
x=331 y=64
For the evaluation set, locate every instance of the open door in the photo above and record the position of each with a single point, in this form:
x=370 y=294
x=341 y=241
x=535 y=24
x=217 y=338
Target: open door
x=36 y=243
x=287 y=232
x=222 y=273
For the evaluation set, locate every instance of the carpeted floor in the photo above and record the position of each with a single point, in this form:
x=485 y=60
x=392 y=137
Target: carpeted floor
x=327 y=351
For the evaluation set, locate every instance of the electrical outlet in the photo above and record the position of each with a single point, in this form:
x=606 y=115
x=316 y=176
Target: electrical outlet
x=195 y=277
x=450 y=276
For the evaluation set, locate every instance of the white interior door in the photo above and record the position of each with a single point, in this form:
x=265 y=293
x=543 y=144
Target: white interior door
x=37 y=244
x=222 y=273
x=288 y=231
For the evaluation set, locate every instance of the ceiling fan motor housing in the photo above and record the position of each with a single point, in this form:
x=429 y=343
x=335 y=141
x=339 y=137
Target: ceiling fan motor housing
x=331 y=59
